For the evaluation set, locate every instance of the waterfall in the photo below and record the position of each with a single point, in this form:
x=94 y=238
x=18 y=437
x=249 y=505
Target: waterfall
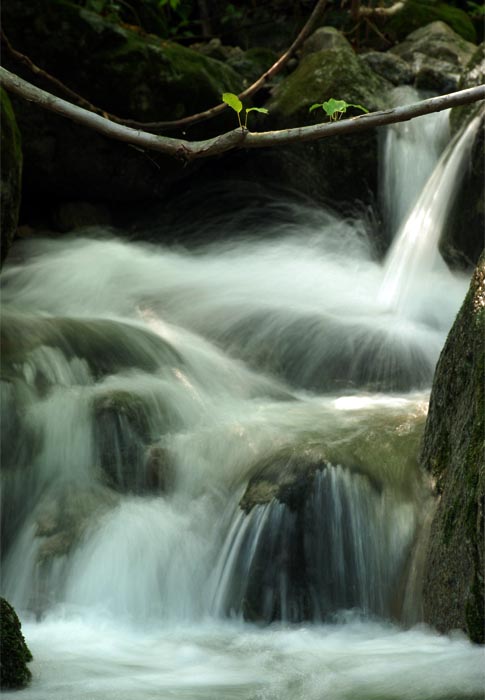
x=410 y=151
x=210 y=483
x=414 y=254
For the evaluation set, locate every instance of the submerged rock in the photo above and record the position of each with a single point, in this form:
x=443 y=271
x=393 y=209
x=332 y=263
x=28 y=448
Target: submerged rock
x=15 y=654
x=454 y=453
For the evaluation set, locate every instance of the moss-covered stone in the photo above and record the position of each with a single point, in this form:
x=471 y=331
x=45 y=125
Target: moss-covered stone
x=342 y=169
x=418 y=13
x=11 y=174
x=454 y=453
x=14 y=652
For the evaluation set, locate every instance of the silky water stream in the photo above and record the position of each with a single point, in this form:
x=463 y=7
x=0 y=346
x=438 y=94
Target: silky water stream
x=144 y=387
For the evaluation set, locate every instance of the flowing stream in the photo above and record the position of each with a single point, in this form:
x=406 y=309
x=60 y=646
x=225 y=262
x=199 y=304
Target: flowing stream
x=209 y=463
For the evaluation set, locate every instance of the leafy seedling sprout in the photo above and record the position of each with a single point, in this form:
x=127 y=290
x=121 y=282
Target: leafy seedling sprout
x=335 y=108
x=235 y=103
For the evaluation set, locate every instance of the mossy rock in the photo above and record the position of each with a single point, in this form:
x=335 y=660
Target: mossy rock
x=15 y=654
x=107 y=346
x=337 y=170
x=383 y=449
x=453 y=452
x=418 y=13
x=11 y=174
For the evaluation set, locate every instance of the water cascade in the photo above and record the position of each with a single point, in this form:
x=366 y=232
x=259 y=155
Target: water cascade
x=410 y=151
x=198 y=442
x=414 y=254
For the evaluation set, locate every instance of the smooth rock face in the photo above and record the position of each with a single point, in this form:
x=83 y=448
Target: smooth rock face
x=454 y=453
x=15 y=652
x=11 y=174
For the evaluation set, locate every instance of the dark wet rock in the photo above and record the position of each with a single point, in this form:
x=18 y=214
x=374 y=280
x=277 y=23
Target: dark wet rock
x=462 y=239
x=15 y=654
x=454 y=454
x=10 y=176
x=436 y=55
x=288 y=477
x=389 y=66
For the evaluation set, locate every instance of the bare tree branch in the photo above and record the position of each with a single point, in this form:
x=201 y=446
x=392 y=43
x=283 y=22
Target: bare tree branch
x=239 y=138
x=185 y=121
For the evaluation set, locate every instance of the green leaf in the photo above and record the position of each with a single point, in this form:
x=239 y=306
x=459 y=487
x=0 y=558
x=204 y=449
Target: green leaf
x=232 y=101
x=359 y=107
x=263 y=110
x=333 y=107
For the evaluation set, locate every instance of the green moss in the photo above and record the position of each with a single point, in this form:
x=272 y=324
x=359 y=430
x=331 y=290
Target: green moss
x=11 y=174
x=15 y=653
x=418 y=13
x=337 y=73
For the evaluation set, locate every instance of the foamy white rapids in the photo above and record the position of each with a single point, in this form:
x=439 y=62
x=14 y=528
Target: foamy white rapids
x=158 y=403
x=82 y=655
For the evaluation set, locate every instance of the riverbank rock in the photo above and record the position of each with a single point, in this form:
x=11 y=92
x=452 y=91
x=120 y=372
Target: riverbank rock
x=437 y=55
x=454 y=453
x=11 y=174
x=15 y=655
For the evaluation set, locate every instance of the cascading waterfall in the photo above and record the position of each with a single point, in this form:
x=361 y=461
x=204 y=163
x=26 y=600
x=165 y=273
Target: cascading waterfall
x=199 y=441
x=414 y=254
x=410 y=151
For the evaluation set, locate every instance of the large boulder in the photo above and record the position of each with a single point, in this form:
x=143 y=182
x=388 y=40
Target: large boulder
x=437 y=56
x=15 y=655
x=454 y=453
x=11 y=175
x=339 y=170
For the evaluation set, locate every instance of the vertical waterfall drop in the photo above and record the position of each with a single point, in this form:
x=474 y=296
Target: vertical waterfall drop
x=410 y=151
x=413 y=255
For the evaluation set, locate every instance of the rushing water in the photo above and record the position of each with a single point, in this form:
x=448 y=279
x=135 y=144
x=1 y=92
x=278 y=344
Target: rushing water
x=157 y=399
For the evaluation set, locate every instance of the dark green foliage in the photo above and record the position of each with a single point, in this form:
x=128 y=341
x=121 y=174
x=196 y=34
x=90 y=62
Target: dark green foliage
x=14 y=652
